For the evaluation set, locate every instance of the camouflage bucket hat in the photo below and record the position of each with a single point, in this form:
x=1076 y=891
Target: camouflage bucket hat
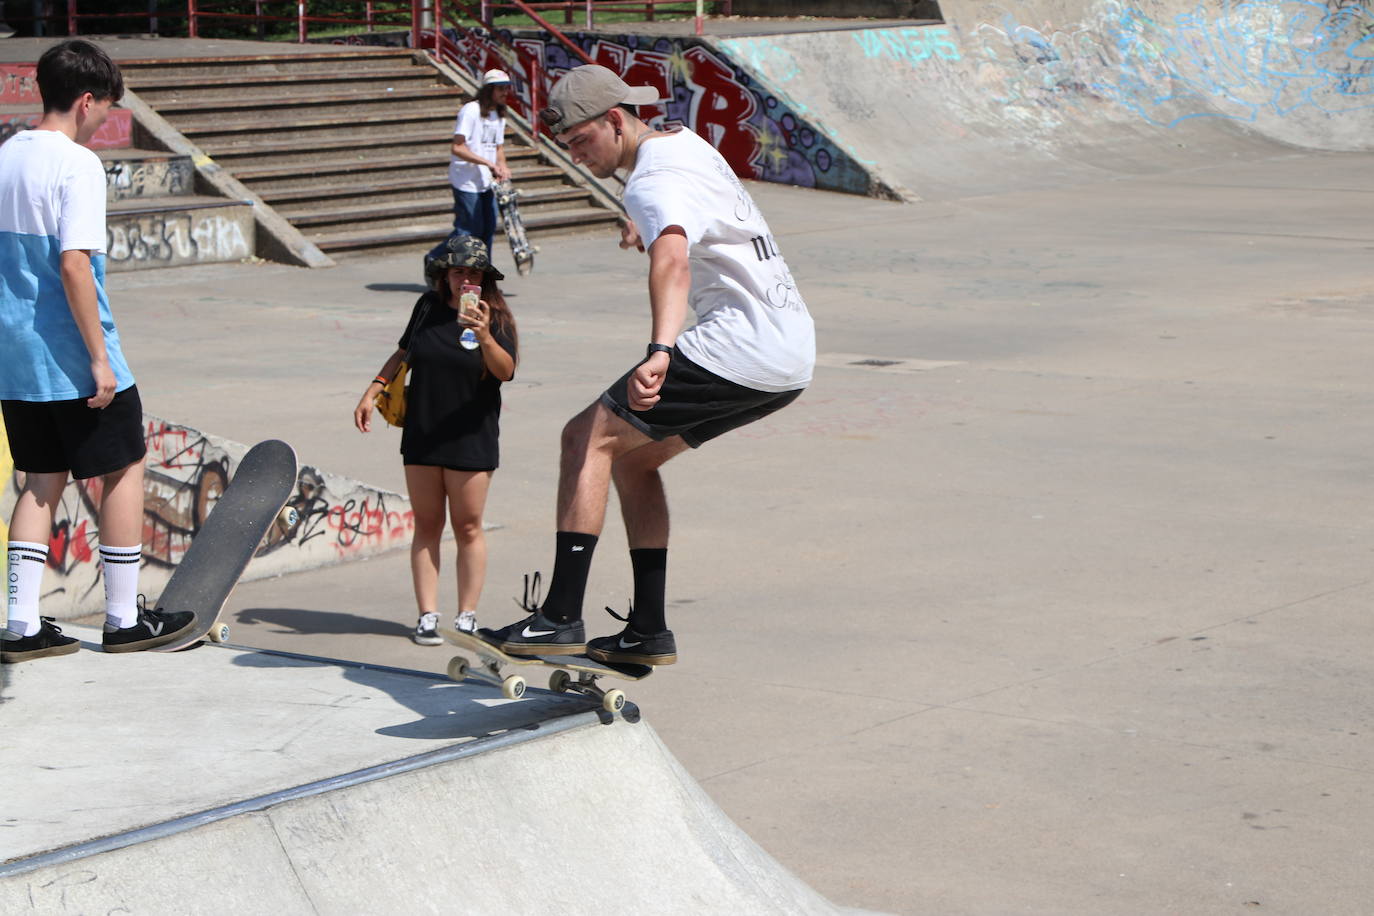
x=462 y=251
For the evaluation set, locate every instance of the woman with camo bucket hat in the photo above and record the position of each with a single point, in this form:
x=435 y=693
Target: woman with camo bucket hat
x=462 y=344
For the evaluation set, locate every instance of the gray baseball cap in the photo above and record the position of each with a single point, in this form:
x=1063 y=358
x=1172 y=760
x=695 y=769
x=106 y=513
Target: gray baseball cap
x=588 y=91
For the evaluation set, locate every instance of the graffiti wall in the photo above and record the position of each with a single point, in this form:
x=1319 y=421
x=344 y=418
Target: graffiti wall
x=148 y=177
x=185 y=473
x=762 y=134
x=171 y=238
x=19 y=89
x=1039 y=93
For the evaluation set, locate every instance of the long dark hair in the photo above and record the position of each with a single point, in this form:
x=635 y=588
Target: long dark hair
x=502 y=319
x=484 y=99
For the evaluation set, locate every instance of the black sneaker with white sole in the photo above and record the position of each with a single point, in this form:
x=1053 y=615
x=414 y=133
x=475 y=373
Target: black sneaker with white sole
x=629 y=647
x=538 y=635
x=154 y=628
x=48 y=641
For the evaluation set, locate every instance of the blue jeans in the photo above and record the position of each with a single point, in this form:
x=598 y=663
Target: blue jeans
x=474 y=213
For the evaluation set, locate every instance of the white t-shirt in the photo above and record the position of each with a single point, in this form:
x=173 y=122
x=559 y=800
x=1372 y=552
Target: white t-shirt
x=483 y=136
x=752 y=324
x=52 y=199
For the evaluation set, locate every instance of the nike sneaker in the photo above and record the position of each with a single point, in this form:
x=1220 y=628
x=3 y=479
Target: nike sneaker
x=153 y=629
x=538 y=635
x=629 y=647
x=47 y=641
x=426 y=632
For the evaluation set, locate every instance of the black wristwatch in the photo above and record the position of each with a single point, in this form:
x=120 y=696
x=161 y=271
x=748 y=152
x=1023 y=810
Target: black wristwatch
x=657 y=348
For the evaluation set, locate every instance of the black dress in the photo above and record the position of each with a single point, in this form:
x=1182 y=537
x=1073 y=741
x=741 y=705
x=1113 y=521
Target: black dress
x=453 y=405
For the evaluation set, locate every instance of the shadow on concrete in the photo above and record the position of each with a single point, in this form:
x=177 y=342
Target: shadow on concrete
x=446 y=710
x=416 y=288
x=302 y=621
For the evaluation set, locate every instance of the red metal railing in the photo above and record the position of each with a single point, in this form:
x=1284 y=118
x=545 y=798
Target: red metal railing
x=374 y=13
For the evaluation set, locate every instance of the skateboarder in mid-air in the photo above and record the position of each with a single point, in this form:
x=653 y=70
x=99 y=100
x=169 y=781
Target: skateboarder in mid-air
x=750 y=353
x=69 y=400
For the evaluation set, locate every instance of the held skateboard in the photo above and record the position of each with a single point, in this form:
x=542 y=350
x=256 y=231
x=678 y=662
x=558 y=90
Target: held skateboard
x=587 y=671
x=507 y=200
x=243 y=515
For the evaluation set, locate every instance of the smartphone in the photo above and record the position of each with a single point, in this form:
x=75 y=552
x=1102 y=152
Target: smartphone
x=468 y=297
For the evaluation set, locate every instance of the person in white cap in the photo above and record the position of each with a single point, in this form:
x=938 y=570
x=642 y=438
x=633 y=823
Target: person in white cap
x=477 y=160
x=750 y=353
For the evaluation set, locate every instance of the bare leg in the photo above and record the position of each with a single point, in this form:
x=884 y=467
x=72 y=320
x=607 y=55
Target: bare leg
x=425 y=484
x=592 y=440
x=37 y=503
x=467 y=497
x=121 y=507
x=643 y=501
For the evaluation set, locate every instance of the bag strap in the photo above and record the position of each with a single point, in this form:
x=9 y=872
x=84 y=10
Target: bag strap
x=419 y=320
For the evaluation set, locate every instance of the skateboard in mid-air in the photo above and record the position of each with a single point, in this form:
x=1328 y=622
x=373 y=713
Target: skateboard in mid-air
x=507 y=199
x=254 y=501
x=491 y=660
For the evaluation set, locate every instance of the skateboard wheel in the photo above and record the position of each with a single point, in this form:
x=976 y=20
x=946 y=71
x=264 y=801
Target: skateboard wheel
x=613 y=701
x=457 y=668
x=288 y=516
x=513 y=687
x=219 y=633
x=559 y=681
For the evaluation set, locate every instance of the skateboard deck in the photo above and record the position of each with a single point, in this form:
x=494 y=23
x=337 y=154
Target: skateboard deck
x=251 y=504
x=507 y=200
x=587 y=670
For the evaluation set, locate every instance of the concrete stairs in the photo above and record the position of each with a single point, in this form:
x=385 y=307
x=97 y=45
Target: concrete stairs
x=350 y=147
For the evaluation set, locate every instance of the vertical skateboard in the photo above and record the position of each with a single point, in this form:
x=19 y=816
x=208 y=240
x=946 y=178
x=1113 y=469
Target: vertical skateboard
x=243 y=515
x=520 y=247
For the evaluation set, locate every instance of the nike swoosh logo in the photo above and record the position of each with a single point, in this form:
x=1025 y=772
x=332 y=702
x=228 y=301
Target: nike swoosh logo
x=629 y=645
x=528 y=633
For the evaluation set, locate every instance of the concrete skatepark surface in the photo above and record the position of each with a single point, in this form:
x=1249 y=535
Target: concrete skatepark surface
x=1060 y=612
x=1048 y=597
x=350 y=789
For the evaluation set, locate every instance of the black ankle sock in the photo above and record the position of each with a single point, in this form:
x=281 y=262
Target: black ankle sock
x=650 y=566
x=572 y=562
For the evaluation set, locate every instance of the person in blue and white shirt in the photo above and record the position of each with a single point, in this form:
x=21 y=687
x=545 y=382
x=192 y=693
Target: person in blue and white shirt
x=69 y=400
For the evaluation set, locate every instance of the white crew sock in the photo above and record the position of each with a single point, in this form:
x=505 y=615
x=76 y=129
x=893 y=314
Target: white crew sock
x=121 y=584
x=25 y=562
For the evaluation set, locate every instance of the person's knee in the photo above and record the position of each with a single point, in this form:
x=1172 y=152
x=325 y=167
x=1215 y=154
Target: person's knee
x=577 y=435
x=467 y=531
x=429 y=523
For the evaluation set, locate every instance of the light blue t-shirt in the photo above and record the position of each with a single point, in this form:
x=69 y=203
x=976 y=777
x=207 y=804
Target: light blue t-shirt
x=52 y=199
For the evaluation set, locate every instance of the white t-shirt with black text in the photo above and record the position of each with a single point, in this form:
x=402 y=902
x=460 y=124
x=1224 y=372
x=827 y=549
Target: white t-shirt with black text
x=483 y=136
x=752 y=324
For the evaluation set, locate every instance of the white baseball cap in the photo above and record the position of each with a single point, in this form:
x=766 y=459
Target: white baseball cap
x=495 y=78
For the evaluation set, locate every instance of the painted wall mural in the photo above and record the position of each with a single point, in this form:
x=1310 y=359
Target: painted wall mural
x=761 y=134
x=186 y=471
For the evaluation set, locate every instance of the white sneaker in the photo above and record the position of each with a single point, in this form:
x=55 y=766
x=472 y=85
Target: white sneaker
x=465 y=622
x=427 y=631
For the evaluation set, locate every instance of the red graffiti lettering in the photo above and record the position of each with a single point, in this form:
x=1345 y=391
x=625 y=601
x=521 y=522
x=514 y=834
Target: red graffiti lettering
x=721 y=109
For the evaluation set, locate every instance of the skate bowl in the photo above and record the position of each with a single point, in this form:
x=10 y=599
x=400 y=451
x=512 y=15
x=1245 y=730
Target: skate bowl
x=1023 y=95
x=292 y=784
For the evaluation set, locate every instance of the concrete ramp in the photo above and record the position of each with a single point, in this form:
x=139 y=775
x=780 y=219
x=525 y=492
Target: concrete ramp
x=479 y=805
x=1039 y=94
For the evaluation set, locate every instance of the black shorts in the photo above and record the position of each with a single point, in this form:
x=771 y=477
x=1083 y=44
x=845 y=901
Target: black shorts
x=695 y=404
x=47 y=437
